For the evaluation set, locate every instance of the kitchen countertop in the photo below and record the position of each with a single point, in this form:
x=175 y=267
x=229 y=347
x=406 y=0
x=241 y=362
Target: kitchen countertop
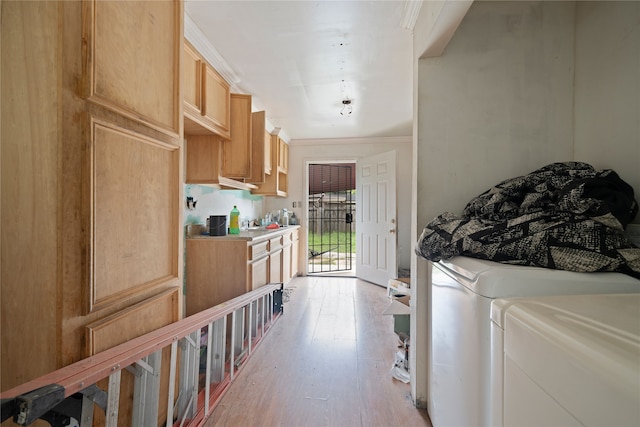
x=250 y=234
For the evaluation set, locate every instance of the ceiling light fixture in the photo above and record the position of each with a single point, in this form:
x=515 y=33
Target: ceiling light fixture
x=347 y=107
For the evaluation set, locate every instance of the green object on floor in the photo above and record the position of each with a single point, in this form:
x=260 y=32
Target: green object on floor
x=401 y=324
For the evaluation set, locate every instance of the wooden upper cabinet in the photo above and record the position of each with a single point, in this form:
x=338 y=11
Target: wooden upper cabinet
x=283 y=156
x=236 y=153
x=260 y=139
x=95 y=88
x=203 y=159
x=215 y=98
x=267 y=153
x=132 y=67
x=276 y=183
x=191 y=79
x=204 y=163
x=207 y=97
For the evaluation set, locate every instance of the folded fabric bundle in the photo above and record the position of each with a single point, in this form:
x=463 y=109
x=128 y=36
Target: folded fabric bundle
x=565 y=216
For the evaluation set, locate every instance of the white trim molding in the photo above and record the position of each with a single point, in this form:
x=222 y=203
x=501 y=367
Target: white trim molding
x=197 y=38
x=410 y=13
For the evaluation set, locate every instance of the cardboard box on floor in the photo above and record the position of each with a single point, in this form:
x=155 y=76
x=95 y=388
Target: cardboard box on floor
x=401 y=285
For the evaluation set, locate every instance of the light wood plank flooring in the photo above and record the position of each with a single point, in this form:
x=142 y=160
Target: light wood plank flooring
x=326 y=362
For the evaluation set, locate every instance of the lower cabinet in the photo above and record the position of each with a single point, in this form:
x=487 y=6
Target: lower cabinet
x=286 y=258
x=295 y=251
x=258 y=264
x=259 y=271
x=216 y=271
x=221 y=268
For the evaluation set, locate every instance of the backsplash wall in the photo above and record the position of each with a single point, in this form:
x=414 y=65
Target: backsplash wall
x=213 y=201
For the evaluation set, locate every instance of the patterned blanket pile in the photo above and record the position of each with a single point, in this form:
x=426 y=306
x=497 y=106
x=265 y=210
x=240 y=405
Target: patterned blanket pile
x=565 y=216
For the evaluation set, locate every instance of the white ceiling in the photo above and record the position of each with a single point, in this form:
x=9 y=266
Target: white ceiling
x=301 y=59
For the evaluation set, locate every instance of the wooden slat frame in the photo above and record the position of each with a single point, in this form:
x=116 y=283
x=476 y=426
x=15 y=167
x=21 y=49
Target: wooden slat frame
x=79 y=375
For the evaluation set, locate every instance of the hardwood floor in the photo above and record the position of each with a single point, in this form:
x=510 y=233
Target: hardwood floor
x=326 y=362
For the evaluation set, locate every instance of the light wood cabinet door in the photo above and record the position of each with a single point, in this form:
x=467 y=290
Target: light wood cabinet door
x=133 y=176
x=236 y=153
x=283 y=156
x=286 y=263
x=258 y=147
x=275 y=266
x=133 y=60
x=295 y=251
x=217 y=271
x=207 y=96
x=192 y=80
x=94 y=169
x=216 y=100
x=259 y=272
x=267 y=153
x=276 y=183
x=133 y=322
x=202 y=159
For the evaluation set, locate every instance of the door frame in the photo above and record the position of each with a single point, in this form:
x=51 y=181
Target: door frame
x=383 y=224
x=305 y=203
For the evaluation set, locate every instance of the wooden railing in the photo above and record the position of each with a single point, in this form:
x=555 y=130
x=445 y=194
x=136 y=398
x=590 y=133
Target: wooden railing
x=204 y=354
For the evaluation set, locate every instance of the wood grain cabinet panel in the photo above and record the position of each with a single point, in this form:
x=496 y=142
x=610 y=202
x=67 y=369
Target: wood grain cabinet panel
x=276 y=183
x=217 y=271
x=267 y=153
x=91 y=170
x=207 y=97
x=192 y=80
x=275 y=266
x=203 y=159
x=216 y=97
x=135 y=213
x=134 y=59
x=259 y=272
x=286 y=263
x=237 y=152
x=126 y=325
x=295 y=252
x=283 y=156
x=259 y=144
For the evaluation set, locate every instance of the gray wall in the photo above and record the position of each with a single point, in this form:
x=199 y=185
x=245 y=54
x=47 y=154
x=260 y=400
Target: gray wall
x=497 y=104
x=520 y=85
x=607 y=88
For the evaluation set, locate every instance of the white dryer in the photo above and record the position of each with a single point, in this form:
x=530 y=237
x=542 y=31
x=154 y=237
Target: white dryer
x=462 y=291
x=568 y=360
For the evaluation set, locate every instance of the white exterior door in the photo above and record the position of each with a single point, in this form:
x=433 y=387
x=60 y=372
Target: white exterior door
x=376 y=223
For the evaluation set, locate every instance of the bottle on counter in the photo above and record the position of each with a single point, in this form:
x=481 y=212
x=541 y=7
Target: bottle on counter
x=294 y=219
x=234 y=221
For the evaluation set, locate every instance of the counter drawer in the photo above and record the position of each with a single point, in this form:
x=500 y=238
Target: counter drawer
x=275 y=243
x=286 y=239
x=258 y=250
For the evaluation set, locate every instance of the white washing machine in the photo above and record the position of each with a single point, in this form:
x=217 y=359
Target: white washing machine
x=567 y=360
x=462 y=291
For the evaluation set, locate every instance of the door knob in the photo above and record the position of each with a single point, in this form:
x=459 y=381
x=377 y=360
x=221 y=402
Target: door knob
x=393 y=230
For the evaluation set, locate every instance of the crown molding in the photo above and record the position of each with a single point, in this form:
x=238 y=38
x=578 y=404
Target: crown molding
x=410 y=14
x=343 y=141
x=197 y=38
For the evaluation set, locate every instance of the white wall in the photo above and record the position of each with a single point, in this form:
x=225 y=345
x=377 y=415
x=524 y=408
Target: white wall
x=303 y=151
x=607 y=88
x=498 y=103
x=520 y=85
